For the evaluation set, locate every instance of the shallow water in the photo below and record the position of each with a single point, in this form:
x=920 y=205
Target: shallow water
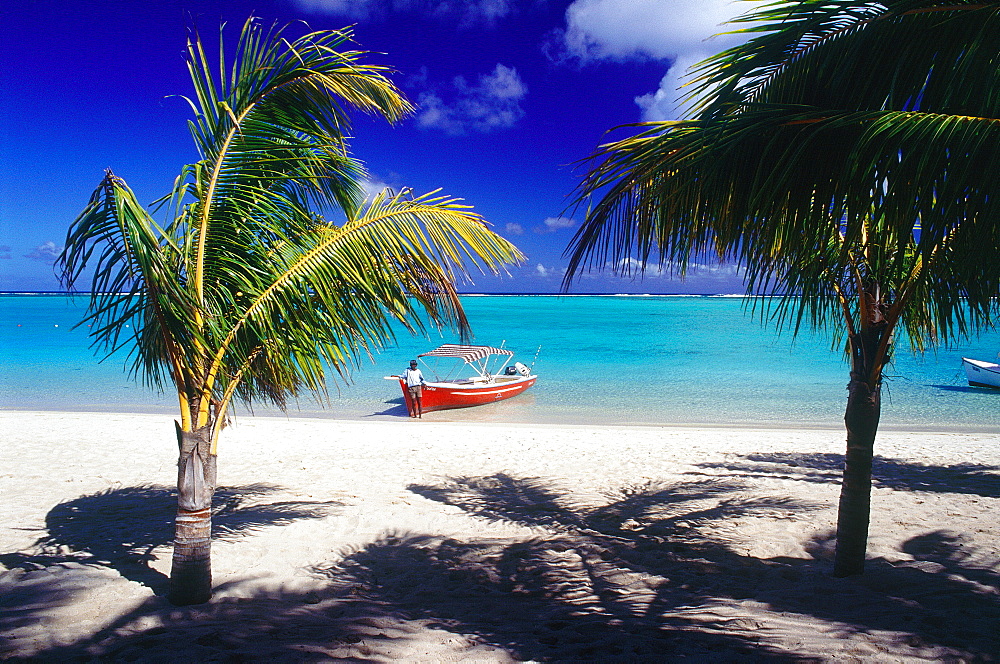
x=603 y=360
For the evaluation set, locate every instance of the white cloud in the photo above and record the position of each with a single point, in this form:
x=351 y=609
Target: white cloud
x=621 y=29
x=494 y=103
x=549 y=272
x=680 y=31
x=631 y=266
x=47 y=252
x=348 y=8
x=373 y=187
x=514 y=229
x=701 y=278
x=552 y=224
x=703 y=272
x=465 y=12
x=665 y=102
x=503 y=83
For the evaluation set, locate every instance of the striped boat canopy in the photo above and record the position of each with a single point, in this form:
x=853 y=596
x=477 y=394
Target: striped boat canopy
x=467 y=353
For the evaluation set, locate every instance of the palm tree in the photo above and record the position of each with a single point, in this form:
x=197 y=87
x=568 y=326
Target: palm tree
x=847 y=157
x=246 y=293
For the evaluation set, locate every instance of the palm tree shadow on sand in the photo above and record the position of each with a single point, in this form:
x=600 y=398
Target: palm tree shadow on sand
x=947 y=597
x=967 y=478
x=551 y=599
x=641 y=578
x=120 y=528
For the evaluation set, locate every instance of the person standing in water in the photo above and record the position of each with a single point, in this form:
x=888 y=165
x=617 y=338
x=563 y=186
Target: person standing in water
x=415 y=383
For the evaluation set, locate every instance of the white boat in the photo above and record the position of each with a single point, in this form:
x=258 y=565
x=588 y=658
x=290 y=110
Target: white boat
x=982 y=374
x=481 y=387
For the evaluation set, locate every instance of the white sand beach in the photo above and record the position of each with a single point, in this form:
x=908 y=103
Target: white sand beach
x=425 y=541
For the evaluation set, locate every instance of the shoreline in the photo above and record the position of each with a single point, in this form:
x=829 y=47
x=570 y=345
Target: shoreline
x=687 y=361
x=440 y=418
x=465 y=541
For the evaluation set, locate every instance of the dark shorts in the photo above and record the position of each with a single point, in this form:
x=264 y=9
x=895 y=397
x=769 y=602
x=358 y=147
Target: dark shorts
x=416 y=390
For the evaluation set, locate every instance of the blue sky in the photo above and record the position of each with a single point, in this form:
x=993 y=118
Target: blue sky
x=511 y=95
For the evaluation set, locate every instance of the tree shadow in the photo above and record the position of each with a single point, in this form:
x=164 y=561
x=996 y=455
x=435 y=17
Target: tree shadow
x=958 y=558
x=26 y=595
x=590 y=568
x=271 y=626
x=638 y=511
x=647 y=576
x=827 y=468
x=120 y=528
x=467 y=598
x=553 y=599
x=948 y=596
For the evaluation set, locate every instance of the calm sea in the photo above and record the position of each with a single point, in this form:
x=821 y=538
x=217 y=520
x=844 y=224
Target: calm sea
x=603 y=360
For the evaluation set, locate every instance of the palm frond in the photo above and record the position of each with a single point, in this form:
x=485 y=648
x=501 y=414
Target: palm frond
x=848 y=140
x=136 y=299
x=246 y=292
x=272 y=135
x=330 y=296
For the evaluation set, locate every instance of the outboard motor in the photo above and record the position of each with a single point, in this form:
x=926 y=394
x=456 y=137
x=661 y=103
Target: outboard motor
x=521 y=369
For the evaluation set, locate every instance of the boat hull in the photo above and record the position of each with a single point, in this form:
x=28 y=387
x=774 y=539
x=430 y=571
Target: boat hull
x=982 y=374
x=445 y=396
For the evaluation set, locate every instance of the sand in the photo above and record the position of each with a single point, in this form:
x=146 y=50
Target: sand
x=425 y=541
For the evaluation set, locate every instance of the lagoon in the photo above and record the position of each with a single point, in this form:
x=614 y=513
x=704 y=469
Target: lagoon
x=603 y=360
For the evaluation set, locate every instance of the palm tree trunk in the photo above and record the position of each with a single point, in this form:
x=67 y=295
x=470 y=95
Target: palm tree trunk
x=864 y=406
x=191 y=571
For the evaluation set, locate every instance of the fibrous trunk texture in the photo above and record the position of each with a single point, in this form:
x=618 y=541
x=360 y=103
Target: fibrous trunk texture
x=864 y=406
x=191 y=571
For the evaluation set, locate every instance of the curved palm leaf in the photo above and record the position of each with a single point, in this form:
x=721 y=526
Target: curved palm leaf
x=804 y=146
x=272 y=136
x=134 y=287
x=846 y=156
x=247 y=292
x=331 y=293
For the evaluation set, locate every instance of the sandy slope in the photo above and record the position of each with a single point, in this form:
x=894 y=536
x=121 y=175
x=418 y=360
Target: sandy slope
x=423 y=541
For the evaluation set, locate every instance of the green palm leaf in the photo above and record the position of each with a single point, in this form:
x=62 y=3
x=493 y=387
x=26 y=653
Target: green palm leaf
x=846 y=156
x=246 y=292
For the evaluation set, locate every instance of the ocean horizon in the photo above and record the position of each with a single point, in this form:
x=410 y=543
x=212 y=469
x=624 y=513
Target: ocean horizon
x=602 y=359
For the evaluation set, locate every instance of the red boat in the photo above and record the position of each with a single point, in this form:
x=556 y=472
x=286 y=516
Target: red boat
x=481 y=387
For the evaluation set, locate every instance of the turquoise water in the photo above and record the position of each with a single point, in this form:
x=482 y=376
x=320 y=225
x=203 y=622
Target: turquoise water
x=603 y=360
